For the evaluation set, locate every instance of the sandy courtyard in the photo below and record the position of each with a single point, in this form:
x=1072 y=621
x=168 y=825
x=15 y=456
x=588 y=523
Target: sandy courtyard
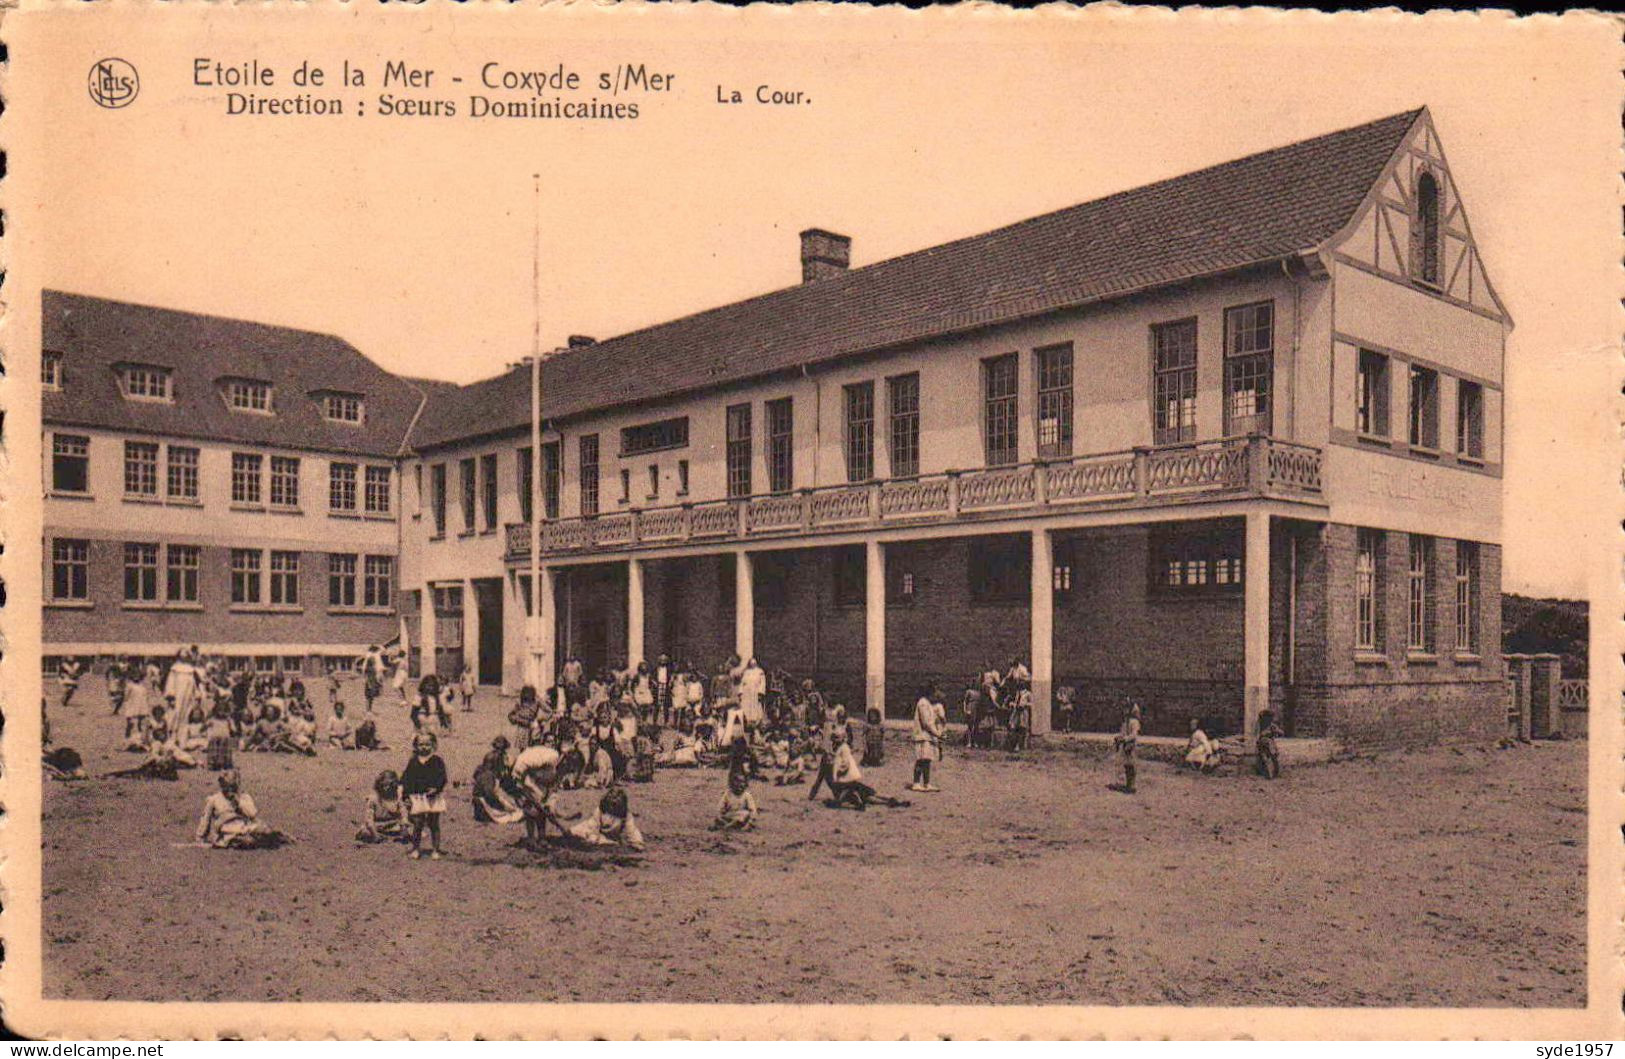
x=1437 y=878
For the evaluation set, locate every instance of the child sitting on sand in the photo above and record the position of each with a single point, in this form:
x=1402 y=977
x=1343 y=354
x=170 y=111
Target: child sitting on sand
x=230 y=819
x=383 y=817
x=612 y=825
x=339 y=733
x=738 y=809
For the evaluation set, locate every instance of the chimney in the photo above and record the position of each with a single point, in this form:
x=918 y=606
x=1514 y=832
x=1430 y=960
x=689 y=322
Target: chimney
x=824 y=254
x=577 y=341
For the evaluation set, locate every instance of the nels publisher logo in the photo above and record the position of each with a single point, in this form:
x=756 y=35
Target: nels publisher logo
x=113 y=83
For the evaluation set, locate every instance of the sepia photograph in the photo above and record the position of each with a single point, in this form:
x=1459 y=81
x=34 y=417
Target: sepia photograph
x=890 y=522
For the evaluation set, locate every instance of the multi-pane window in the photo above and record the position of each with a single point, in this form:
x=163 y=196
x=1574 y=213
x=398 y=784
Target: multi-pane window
x=140 y=572
x=245 y=575
x=342 y=407
x=285 y=579
x=1470 y=420
x=181 y=563
x=1425 y=233
x=1249 y=344
x=246 y=468
x=738 y=450
x=1173 y=369
x=1371 y=395
x=468 y=473
x=341 y=490
x=379 y=582
x=652 y=437
x=341 y=577
x=1054 y=364
x=70 y=463
x=140 y=468
x=780 y=445
x=1368 y=591
x=1467 y=597
x=285 y=481
x=552 y=479
x=51 y=370
x=1419 y=597
x=146 y=384
x=589 y=474
x=860 y=431
x=1000 y=382
x=377 y=487
x=437 y=497
x=1424 y=432
x=1189 y=562
x=488 y=491
x=903 y=398
x=70 y=569
x=180 y=472
x=248 y=396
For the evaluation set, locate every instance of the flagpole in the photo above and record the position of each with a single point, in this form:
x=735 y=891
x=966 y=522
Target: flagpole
x=538 y=664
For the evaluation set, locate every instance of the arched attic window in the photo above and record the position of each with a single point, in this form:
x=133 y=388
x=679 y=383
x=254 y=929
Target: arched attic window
x=1425 y=231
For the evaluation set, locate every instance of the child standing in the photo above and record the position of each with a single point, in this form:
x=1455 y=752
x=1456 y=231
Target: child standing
x=927 y=739
x=874 y=738
x=1127 y=737
x=465 y=687
x=68 y=673
x=423 y=781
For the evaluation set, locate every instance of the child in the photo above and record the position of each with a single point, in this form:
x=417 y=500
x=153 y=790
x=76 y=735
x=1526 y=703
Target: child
x=137 y=711
x=230 y=819
x=1269 y=753
x=339 y=733
x=492 y=803
x=613 y=824
x=68 y=672
x=1021 y=717
x=383 y=818
x=738 y=809
x=1201 y=753
x=332 y=686
x=1124 y=742
x=218 y=749
x=846 y=780
x=423 y=781
x=116 y=685
x=535 y=772
x=874 y=739
x=927 y=739
x=684 y=753
x=465 y=687
x=366 y=734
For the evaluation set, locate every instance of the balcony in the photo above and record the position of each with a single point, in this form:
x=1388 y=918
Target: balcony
x=1146 y=477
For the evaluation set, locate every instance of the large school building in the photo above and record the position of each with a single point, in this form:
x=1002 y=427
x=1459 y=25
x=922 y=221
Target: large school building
x=1224 y=442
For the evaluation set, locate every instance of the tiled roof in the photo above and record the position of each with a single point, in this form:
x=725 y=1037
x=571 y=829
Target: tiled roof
x=95 y=334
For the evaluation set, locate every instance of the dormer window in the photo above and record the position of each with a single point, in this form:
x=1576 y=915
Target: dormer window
x=146 y=383
x=51 y=370
x=1425 y=231
x=247 y=395
x=342 y=407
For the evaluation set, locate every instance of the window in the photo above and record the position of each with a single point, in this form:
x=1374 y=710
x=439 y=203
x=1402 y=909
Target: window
x=248 y=396
x=999 y=408
x=1173 y=354
x=781 y=467
x=1420 y=615
x=654 y=482
x=1368 y=591
x=70 y=569
x=1249 y=343
x=851 y=576
x=143 y=383
x=341 y=487
x=468 y=471
x=1467 y=597
x=1195 y=562
x=376 y=498
x=860 y=431
x=378 y=587
x=488 y=492
x=285 y=481
x=999 y=569
x=437 y=497
x=285 y=579
x=1470 y=420
x=626 y=486
x=652 y=437
x=70 y=463
x=1371 y=407
x=181 y=562
x=141 y=468
x=1424 y=432
x=738 y=449
x=341 y=580
x=1425 y=233
x=1062 y=564
x=551 y=479
x=903 y=397
x=245 y=478
x=245 y=575
x=342 y=407
x=180 y=473
x=50 y=370
x=900 y=584
x=1054 y=364
x=589 y=474
x=140 y=573
x=527 y=471
x=682 y=477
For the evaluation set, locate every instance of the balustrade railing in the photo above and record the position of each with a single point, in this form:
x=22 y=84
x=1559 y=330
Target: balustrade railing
x=1255 y=466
